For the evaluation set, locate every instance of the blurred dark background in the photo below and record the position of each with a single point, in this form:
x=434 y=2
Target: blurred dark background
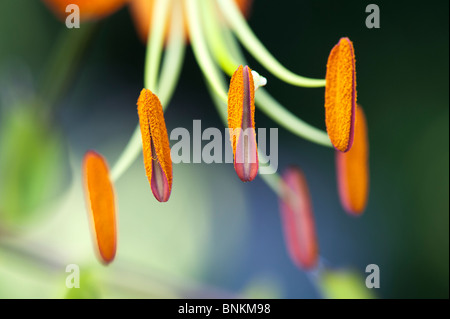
x=402 y=82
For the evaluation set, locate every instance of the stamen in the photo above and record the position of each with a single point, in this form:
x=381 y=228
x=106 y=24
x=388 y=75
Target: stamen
x=100 y=199
x=340 y=95
x=241 y=121
x=170 y=72
x=298 y=220
x=353 y=169
x=155 y=142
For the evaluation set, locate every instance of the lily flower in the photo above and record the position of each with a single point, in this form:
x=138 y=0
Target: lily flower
x=214 y=29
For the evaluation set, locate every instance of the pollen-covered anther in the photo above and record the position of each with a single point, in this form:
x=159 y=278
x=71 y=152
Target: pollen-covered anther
x=241 y=122
x=298 y=219
x=353 y=169
x=155 y=143
x=101 y=205
x=340 y=95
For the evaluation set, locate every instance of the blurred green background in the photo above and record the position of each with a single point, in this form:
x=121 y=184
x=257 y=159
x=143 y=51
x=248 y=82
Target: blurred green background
x=218 y=237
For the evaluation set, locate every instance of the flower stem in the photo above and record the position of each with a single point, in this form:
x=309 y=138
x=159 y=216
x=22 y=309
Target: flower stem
x=259 y=51
x=155 y=43
x=211 y=17
x=282 y=116
x=128 y=156
x=204 y=59
x=173 y=59
x=272 y=180
x=218 y=92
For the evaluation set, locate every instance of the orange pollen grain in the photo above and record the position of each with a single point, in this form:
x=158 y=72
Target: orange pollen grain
x=101 y=205
x=154 y=134
x=353 y=169
x=340 y=95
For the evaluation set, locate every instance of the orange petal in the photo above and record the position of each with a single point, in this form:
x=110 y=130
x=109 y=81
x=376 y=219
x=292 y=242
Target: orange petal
x=340 y=95
x=89 y=9
x=142 y=10
x=100 y=199
x=155 y=142
x=241 y=122
x=298 y=219
x=353 y=169
x=244 y=6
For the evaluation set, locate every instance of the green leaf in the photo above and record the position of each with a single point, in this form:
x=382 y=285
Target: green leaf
x=30 y=163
